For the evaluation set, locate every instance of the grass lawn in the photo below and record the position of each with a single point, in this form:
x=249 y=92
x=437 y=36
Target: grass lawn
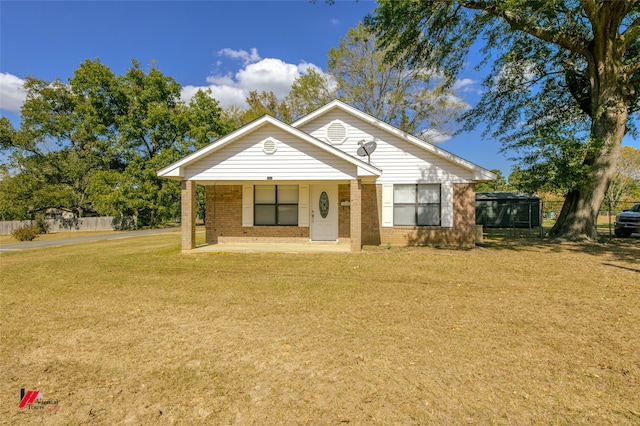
x=132 y=331
x=8 y=239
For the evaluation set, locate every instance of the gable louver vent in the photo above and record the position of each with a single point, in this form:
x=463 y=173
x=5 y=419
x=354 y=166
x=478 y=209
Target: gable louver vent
x=269 y=146
x=336 y=132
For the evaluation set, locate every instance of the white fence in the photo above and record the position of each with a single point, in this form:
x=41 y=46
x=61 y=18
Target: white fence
x=105 y=223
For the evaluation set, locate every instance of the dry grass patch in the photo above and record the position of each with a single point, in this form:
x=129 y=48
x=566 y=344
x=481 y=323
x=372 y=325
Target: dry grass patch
x=8 y=239
x=510 y=333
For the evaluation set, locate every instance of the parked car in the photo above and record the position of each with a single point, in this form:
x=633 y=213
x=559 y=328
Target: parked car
x=628 y=222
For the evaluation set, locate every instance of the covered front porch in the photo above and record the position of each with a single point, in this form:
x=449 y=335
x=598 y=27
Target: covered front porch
x=329 y=217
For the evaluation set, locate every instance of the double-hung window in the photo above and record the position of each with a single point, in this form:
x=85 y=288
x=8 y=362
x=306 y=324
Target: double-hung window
x=275 y=205
x=416 y=204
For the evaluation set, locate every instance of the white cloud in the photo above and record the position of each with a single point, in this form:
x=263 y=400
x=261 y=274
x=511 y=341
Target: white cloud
x=12 y=95
x=228 y=95
x=525 y=71
x=453 y=101
x=435 y=136
x=220 y=80
x=268 y=74
x=247 y=57
x=306 y=66
x=463 y=84
x=334 y=21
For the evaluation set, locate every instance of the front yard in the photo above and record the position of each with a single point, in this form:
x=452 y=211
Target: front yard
x=513 y=332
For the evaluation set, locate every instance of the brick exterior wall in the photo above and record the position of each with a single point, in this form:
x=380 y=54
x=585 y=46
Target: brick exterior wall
x=224 y=220
x=371 y=214
x=344 y=214
x=462 y=234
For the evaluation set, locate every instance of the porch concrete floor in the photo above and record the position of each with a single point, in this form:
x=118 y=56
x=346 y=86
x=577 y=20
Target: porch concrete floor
x=271 y=248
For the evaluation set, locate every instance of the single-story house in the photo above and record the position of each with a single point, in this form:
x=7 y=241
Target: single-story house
x=336 y=174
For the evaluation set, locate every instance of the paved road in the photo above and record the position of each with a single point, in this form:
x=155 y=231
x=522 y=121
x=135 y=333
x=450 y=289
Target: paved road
x=25 y=245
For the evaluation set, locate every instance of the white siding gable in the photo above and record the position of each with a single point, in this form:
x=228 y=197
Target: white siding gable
x=247 y=159
x=400 y=160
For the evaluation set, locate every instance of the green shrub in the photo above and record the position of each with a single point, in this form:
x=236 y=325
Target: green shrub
x=26 y=233
x=42 y=225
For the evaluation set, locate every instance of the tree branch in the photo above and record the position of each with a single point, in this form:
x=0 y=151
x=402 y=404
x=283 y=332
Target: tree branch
x=518 y=22
x=632 y=68
x=631 y=34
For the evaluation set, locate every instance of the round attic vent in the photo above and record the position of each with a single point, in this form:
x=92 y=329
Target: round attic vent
x=336 y=132
x=269 y=146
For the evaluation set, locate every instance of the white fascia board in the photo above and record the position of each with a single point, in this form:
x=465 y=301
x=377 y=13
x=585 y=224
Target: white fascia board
x=483 y=175
x=362 y=172
x=320 y=111
x=172 y=173
x=479 y=173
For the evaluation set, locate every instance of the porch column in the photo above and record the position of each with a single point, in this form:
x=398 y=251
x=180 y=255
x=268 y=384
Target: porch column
x=356 y=215
x=188 y=214
x=209 y=221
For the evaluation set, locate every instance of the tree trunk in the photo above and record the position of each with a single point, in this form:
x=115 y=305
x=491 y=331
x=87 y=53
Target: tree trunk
x=579 y=216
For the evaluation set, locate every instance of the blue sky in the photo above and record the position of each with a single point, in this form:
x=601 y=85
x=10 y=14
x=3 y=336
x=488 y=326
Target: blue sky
x=229 y=46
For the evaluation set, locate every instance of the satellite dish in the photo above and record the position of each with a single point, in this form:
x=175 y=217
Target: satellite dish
x=366 y=149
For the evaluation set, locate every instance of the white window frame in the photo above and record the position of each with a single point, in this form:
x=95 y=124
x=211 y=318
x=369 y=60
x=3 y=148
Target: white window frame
x=416 y=204
x=446 y=204
x=276 y=203
x=303 y=205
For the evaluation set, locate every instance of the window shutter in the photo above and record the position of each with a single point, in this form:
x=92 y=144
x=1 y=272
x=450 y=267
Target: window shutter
x=446 y=205
x=387 y=205
x=247 y=205
x=303 y=205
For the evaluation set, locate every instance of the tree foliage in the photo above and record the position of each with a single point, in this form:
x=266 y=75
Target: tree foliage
x=562 y=90
x=309 y=92
x=499 y=184
x=265 y=103
x=258 y=104
x=626 y=181
x=412 y=99
x=96 y=142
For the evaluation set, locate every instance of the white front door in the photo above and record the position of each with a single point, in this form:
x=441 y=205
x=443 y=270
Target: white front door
x=324 y=212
